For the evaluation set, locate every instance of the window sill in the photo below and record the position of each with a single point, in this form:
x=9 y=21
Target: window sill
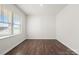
x=7 y=36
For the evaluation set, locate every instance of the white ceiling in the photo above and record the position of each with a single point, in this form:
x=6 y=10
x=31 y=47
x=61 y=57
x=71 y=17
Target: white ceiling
x=46 y=9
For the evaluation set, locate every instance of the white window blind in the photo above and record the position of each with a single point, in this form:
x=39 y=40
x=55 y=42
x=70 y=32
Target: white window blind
x=10 y=22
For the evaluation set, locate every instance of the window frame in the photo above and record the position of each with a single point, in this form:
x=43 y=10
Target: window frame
x=11 y=24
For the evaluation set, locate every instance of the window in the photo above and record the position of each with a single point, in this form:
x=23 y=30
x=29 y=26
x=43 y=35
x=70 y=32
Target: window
x=5 y=21
x=16 y=24
x=10 y=22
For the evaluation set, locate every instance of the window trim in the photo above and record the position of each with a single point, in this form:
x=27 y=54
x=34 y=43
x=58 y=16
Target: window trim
x=7 y=36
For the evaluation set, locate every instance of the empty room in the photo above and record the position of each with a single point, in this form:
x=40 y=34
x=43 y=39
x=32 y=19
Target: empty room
x=39 y=29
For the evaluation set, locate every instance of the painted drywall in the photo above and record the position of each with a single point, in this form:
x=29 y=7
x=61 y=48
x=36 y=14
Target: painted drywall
x=41 y=27
x=67 y=27
x=8 y=43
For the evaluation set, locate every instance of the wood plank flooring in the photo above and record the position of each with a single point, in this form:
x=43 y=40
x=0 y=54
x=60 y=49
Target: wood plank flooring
x=41 y=47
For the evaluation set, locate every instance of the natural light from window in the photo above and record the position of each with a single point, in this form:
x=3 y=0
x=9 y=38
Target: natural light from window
x=10 y=22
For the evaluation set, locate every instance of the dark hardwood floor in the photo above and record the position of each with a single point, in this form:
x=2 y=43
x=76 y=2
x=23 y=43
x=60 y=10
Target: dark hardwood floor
x=41 y=47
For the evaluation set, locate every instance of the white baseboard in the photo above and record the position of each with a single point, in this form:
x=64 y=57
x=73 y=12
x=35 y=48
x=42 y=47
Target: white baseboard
x=41 y=38
x=12 y=47
x=69 y=47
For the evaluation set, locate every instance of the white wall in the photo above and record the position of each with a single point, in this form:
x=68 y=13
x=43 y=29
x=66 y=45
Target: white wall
x=67 y=27
x=7 y=44
x=41 y=27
